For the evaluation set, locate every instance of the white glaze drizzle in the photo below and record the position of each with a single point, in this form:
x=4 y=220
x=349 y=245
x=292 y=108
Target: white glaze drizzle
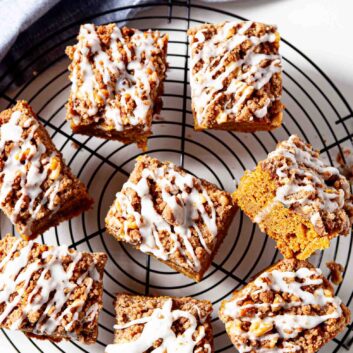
x=303 y=176
x=287 y=325
x=128 y=80
x=159 y=326
x=186 y=203
x=206 y=89
x=16 y=274
x=33 y=171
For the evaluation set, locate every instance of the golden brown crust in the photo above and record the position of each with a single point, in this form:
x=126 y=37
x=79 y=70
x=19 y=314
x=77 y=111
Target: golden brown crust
x=83 y=296
x=71 y=196
x=121 y=221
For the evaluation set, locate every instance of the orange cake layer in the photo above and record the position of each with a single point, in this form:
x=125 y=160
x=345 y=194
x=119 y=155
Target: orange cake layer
x=296 y=199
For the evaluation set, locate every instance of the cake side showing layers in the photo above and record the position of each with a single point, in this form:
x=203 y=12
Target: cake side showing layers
x=50 y=292
x=166 y=212
x=37 y=189
x=162 y=324
x=289 y=308
x=117 y=79
x=297 y=199
x=235 y=79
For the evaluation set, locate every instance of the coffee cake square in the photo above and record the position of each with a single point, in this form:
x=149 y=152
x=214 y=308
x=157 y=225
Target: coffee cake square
x=235 y=78
x=164 y=211
x=117 y=79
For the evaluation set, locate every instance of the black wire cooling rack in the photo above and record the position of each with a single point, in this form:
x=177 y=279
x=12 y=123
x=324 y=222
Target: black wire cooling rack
x=315 y=109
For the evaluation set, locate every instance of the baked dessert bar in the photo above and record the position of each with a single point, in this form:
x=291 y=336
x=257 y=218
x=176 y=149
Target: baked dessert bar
x=117 y=79
x=166 y=212
x=236 y=81
x=297 y=199
x=162 y=324
x=50 y=292
x=288 y=308
x=37 y=190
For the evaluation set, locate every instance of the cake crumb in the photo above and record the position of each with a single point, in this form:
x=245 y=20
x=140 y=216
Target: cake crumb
x=75 y=145
x=336 y=271
x=346 y=163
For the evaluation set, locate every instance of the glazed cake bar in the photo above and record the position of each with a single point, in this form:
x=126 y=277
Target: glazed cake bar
x=162 y=324
x=166 y=212
x=236 y=81
x=117 y=79
x=37 y=190
x=297 y=199
x=50 y=292
x=289 y=308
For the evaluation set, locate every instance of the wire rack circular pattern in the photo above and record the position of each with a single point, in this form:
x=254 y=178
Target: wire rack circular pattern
x=315 y=109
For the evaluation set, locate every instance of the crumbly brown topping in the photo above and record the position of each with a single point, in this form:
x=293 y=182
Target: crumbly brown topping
x=236 y=72
x=310 y=187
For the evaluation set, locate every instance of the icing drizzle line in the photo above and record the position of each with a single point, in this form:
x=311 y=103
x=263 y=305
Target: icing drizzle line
x=26 y=161
x=213 y=53
x=159 y=326
x=185 y=197
x=287 y=325
x=52 y=289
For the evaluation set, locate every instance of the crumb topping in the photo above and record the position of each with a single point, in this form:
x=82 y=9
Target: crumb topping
x=310 y=187
x=274 y=311
x=115 y=74
x=46 y=290
x=167 y=211
x=231 y=62
x=25 y=166
x=160 y=332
